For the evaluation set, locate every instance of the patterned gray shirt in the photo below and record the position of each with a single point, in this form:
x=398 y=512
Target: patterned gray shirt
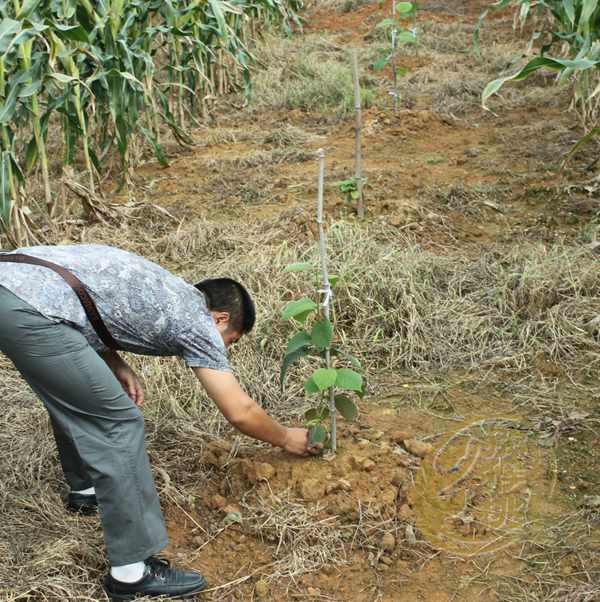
x=147 y=309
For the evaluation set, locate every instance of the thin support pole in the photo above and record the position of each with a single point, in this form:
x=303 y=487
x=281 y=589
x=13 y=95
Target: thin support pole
x=358 y=135
x=393 y=59
x=326 y=290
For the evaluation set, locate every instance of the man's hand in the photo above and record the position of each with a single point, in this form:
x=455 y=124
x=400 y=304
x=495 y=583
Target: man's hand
x=131 y=383
x=126 y=376
x=296 y=442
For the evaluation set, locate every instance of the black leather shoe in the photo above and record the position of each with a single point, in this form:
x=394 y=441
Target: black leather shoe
x=82 y=504
x=159 y=580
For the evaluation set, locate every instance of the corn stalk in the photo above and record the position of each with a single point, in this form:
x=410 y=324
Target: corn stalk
x=112 y=72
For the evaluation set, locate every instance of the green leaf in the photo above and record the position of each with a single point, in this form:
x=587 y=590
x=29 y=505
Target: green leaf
x=333 y=280
x=386 y=24
x=299 y=310
x=380 y=64
x=346 y=407
x=299 y=340
x=317 y=414
x=8 y=28
x=75 y=33
x=312 y=414
x=317 y=434
x=406 y=37
x=533 y=65
x=348 y=379
x=324 y=378
x=322 y=334
x=311 y=387
x=570 y=11
x=581 y=142
x=288 y=360
x=298 y=267
x=156 y=147
x=404 y=8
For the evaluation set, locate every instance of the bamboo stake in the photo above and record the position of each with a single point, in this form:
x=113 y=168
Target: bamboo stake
x=358 y=134
x=326 y=290
x=393 y=60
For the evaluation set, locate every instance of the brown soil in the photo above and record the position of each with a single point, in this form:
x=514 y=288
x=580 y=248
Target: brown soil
x=380 y=496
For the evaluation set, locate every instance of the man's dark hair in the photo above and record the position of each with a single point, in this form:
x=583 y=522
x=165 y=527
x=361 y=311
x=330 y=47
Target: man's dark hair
x=225 y=294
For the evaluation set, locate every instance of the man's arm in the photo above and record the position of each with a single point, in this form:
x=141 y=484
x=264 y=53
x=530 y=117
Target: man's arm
x=247 y=416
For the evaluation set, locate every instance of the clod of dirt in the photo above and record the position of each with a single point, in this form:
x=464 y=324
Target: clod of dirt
x=340 y=485
x=261 y=589
x=400 y=436
x=388 y=497
x=368 y=465
x=418 y=448
x=405 y=512
x=232 y=509
x=362 y=443
x=388 y=542
x=399 y=477
x=311 y=490
x=218 y=502
x=313 y=592
x=265 y=471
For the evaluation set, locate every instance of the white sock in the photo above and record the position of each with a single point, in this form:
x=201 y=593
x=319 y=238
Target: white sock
x=88 y=491
x=128 y=573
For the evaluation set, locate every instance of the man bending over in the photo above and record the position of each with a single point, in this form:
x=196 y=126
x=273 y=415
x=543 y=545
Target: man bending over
x=92 y=395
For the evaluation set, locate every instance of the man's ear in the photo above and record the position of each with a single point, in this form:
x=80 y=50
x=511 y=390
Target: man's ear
x=221 y=318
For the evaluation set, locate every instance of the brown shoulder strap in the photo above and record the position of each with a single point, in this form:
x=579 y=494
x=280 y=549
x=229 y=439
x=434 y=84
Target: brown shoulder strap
x=91 y=311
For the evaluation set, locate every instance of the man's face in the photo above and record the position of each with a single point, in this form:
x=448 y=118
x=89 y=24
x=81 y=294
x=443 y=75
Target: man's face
x=228 y=334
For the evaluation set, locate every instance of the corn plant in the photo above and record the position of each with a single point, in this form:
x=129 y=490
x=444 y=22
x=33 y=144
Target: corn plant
x=569 y=45
x=100 y=74
x=332 y=381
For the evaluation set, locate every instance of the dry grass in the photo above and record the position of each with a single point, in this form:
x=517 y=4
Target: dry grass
x=307 y=73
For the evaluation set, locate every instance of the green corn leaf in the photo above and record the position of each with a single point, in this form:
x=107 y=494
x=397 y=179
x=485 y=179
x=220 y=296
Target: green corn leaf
x=324 y=378
x=31 y=154
x=156 y=147
x=288 y=360
x=533 y=65
x=346 y=407
x=581 y=143
x=299 y=310
x=27 y=8
x=569 y=11
x=333 y=280
x=322 y=333
x=298 y=267
x=8 y=29
x=348 y=379
x=299 y=340
x=75 y=33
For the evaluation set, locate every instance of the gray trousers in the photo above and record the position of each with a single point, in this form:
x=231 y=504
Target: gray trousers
x=98 y=429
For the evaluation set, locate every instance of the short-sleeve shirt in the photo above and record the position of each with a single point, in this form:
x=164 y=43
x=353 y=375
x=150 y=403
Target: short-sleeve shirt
x=147 y=309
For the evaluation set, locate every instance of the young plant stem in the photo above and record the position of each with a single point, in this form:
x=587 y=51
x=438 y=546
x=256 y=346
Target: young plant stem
x=393 y=59
x=415 y=7
x=326 y=290
x=358 y=135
